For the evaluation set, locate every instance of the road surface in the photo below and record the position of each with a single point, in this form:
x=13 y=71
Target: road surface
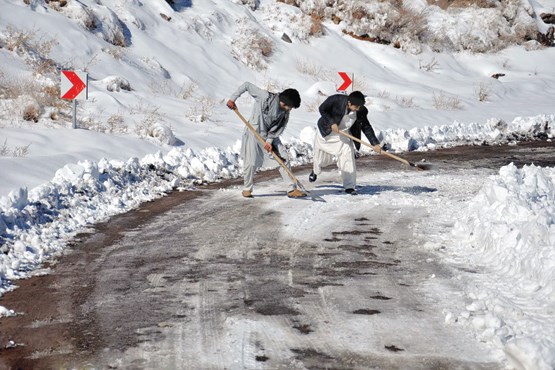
x=209 y=280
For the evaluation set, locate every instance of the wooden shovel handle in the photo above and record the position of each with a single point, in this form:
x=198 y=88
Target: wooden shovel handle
x=276 y=157
x=381 y=152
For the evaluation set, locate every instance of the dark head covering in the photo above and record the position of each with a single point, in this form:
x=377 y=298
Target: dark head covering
x=356 y=98
x=290 y=97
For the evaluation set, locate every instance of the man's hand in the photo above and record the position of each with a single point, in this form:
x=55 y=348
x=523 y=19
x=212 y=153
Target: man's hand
x=268 y=147
x=335 y=128
x=231 y=104
x=377 y=148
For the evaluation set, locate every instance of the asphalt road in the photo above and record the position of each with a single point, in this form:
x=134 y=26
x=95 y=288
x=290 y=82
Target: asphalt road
x=207 y=280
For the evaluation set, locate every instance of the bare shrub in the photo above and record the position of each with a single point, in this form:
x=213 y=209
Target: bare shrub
x=315 y=25
x=270 y=84
x=150 y=117
x=405 y=102
x=91 y=62
x=482 y=92
x=202 y=110
x=116 y=124
x=309 y=68
x=444 y=102
x=252 y=4
x=18 y=151
x=31 y=113
x=252 y=51
x=14 y=87
x=34 y=50
x=187 y=90
x=384 y=94
x=89 y=123
x=116 y=53
x=428 y=66
x=359 y=83
x=16 y=40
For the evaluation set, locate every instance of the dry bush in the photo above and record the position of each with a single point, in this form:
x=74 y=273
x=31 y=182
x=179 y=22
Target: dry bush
x=116 y=124
x=56 y=4
x=202 y=110
x=482 y=92
x=360 y=84
x=16 y=40
x=270 y=84
x=428 y=66
x=444 y=4
x=45 y=96
x=444 y=102
x=187 y=90
x=384 y=94
x=18 y=151
x=150 y=117
x=116 y=53
x=31 y=113
x=34 y=50
x=315 y=25
x=405 y=102
x=253 y=50
x=309 y=68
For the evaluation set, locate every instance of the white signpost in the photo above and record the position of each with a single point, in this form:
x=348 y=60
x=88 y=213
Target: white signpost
x=74 y=85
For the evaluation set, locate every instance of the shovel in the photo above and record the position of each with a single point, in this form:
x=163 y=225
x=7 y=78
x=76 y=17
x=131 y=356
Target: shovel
x=417 y=166
x=278 y=159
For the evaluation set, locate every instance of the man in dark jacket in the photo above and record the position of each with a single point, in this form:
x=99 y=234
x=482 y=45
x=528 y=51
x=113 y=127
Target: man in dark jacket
x=341 y=113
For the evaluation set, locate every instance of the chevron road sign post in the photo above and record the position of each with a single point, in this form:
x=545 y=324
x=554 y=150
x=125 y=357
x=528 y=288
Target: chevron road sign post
x=347 y=79
x=74 y=85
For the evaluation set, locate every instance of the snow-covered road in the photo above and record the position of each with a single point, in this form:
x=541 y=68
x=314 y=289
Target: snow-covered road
x=210 y=280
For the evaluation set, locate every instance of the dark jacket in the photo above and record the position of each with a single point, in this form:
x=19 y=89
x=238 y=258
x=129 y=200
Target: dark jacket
x=332 y=111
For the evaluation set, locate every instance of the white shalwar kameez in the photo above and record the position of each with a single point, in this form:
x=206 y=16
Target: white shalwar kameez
x=340 y=147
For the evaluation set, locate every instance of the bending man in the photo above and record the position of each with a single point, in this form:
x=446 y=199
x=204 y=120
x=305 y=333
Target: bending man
x=341 y=113
x=269 y=117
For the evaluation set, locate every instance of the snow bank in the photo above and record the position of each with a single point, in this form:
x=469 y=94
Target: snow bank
x=509 y=230
x=494 y=131
x=36 y=225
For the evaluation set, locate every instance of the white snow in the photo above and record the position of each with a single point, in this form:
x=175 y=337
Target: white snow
x=156 y=120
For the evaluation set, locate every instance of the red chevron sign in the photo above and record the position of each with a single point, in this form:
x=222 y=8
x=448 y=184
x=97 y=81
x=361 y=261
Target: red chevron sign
x=346 y=81
x=74 y=85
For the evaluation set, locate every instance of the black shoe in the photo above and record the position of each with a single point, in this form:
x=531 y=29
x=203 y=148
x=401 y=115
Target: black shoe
x=351 y=191
x=312 y=177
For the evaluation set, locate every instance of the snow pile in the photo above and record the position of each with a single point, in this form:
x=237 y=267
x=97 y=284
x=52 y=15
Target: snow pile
x=36 y=225
x=494 y=131
x=509 y=230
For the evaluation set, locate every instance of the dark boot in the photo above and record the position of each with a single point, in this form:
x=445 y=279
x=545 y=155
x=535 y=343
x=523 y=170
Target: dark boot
x=312 y=177
x=351 y=191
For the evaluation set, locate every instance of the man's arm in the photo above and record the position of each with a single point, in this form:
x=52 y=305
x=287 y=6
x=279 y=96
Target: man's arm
x=326 y=124
x=366 y=127
x=254 y=91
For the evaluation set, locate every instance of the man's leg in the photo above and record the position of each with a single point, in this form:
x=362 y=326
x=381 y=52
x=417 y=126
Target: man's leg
x=320 y=156
x=347 y=165
x=252 y=155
